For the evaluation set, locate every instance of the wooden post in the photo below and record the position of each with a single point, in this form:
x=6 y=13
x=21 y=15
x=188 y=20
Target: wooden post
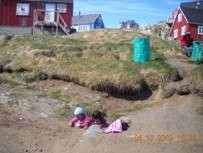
x=34 y=20
x=57 y=22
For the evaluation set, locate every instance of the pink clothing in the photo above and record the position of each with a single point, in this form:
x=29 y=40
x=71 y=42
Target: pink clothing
x=116 y=126
x=83 y=123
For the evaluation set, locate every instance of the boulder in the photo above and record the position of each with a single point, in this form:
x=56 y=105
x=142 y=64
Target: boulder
x=183 y=90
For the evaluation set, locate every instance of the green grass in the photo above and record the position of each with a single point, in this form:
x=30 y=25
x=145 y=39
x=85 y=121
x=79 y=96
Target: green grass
x=65 y=113
x=5 y=79
x=94 y=58
x=164 y=45
x=56 y=93
x=197 y=73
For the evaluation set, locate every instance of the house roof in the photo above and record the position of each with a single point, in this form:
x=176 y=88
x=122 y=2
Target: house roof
x=59 y=1
x=84 y=19
x=193 y=12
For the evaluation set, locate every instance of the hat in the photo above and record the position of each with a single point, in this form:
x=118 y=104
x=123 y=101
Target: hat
x=79 y=111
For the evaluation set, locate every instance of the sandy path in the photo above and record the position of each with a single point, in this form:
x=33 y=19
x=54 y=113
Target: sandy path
x=35 y=133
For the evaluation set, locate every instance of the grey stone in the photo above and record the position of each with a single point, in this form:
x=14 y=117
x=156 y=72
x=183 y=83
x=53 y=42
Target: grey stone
x=183 y=90
x=93 y=131
x=4 y=99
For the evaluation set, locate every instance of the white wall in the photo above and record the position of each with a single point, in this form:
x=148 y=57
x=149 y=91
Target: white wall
x=82 y=28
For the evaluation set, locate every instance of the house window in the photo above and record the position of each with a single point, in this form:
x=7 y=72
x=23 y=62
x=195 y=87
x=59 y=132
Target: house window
x=175 y=35
x=80 y=28
x=183 y=30
x=200 y=30
x=62 y=8
x=22 y=9
x=179 y=17
x=83 y=28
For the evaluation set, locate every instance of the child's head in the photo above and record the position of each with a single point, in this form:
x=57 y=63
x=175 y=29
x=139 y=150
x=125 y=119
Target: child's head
x=97 y=116
x=79 y=113
x=125 y=126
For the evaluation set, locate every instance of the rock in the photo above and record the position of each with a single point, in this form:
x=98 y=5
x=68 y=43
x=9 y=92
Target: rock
x=7 y=93
x=25 y=104
x=43 y=115
x=35 y=143
x=38 y=150
x=2 y=94
x=42 y=76
x=93 y=131
x=105 y=95
x=183 y=90
x=26 y=150
x=167 y=93
x=41 y=150
x=4 y=99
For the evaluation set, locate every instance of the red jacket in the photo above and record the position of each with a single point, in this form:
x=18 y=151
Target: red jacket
x=186 y=41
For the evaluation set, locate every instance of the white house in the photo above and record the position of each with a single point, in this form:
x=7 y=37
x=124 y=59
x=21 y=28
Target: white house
x=87 y=22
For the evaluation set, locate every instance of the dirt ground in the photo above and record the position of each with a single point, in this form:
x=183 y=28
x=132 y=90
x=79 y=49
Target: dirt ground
x=29 y=122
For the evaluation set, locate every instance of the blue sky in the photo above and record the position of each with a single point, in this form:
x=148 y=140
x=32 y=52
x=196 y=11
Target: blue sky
x=142 y=11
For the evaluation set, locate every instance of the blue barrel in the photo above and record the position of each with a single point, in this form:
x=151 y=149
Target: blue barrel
x=141 y=49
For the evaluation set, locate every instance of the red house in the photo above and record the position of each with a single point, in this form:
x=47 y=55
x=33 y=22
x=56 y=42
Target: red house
x=189 y=18
x=37 y=13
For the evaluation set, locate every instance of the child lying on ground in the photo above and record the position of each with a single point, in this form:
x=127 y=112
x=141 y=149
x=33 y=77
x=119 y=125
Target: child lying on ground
x=80 y=120
x=99 y=119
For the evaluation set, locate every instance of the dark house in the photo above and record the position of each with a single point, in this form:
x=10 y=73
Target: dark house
x=34 y=13
x=87 y=22
x=189 y=18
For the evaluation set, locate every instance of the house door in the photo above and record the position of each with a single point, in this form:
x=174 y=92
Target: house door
x=50 y=12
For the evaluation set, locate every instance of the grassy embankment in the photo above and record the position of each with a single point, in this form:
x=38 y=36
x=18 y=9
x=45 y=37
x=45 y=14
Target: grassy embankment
x=100 y=59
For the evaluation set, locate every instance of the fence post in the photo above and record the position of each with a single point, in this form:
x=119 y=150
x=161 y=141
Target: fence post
x=34 y=20
x=57 y=22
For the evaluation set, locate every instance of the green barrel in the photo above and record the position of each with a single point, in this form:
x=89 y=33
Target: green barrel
x=197 y=53
x=141 y=49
